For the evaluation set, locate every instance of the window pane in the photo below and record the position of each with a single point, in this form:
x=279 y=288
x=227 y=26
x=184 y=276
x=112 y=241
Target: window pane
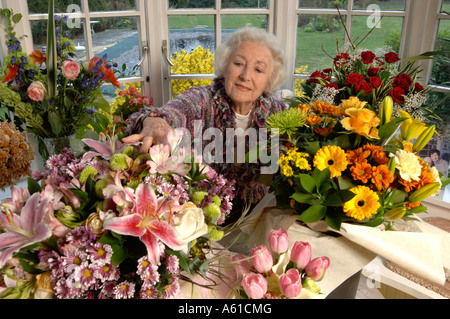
x=391 y=5
x=185 y=4
x=445 y=6
x=245 y=4
x=118 y=5
x=236 y=21
x=187 y=32
x=117 y=38
x=376 y=34
x=63 y=6
x=441 y=66
x=324 y=4
x=316 y=41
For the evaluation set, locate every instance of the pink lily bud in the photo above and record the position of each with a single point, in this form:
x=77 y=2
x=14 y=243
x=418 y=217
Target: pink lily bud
x=255 y=285
x=241 y=265
x=301 y=254
x=278 y=241
x=262 y=259
x=316 y=268
x=291 y=283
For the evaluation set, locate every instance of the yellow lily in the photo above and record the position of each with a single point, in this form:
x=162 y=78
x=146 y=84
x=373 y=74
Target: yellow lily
x=410 y=128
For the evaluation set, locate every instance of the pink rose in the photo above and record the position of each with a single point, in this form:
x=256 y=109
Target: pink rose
x=262 y=259
x=255 y=285
x=291 y=283
x=301 y=254
x=36 y=91
x=70 y=69
x=316 y=268
x=278 y=241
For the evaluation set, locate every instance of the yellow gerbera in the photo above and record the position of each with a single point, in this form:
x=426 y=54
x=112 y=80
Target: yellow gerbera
x=363 y=205
x=333 y=157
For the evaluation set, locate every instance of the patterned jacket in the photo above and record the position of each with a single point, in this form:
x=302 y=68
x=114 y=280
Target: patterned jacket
x=213 y=107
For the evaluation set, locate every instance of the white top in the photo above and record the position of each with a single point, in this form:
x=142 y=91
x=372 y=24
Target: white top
x=242 y=120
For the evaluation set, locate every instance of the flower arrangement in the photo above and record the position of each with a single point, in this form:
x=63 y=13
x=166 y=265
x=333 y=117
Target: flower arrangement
x=292 y=274
x=57 y=93
x=114 y=223
x=128 y=101
x=15 y=154
x=370 y=76
x=346 y=163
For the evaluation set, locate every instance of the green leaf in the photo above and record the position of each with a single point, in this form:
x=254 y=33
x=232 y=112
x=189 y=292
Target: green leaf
x=307 y=182
x=119 y=254
x=52 y=55
x=322 y=179
x=339 y=197
x=313 y=214
x=33 y=186
x=55 y=122
x=182 y=260
x=389 y=128
x=303 y=197
x=334 y=219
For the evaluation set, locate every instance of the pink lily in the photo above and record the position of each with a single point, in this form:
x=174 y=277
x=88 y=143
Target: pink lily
x=24 y=229
x=104 y=149
x=17 y=200
x=168 y=157
x=147 y=224
x=123 y=197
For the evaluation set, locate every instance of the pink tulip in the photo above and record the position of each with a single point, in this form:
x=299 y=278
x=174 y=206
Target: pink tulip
x=36 y=91
x=291 y=283
x=70 y=69
x=316 y=268
x=301 y=254
x=255 y=285
x=278 y=241
x=241 y=265
x=262 y=259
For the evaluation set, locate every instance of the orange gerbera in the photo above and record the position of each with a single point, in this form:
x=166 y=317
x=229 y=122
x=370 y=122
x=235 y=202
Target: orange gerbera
x=37 y=57
x=382 y=177
x=361 y=171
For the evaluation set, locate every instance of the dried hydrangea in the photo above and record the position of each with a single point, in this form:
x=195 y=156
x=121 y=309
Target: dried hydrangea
x=15 y=154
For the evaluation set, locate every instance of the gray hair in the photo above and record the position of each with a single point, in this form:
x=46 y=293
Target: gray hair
x=224 y=53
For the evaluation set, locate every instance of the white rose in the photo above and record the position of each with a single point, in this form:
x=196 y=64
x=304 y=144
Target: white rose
x=190 y=222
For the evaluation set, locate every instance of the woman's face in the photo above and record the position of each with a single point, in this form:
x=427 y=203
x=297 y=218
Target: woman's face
x=434 y=157
x=247 y=75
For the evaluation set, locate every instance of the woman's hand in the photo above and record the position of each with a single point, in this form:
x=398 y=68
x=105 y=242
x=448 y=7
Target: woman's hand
x=154 y=131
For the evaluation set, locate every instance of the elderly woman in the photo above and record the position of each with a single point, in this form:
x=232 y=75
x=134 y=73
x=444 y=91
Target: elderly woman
x=250 y=67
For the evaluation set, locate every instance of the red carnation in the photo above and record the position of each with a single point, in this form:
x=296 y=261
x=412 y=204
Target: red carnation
x=391 y=57
x=397 y=94
x=354 y=78
x=367 y=57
